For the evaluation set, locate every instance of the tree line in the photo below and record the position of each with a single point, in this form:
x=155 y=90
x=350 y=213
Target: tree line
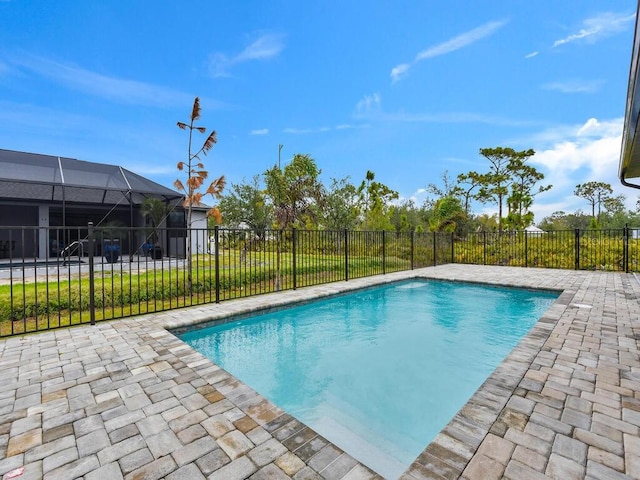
x=294 y=196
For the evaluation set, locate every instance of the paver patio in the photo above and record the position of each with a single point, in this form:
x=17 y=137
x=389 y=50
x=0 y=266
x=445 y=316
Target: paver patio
x=127 y=399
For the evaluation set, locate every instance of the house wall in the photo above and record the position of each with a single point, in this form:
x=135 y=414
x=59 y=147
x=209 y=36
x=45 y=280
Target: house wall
x=199 y=237
x=16 y=242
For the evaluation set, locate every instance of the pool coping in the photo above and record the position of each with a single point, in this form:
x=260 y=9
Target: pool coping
x=451 y=450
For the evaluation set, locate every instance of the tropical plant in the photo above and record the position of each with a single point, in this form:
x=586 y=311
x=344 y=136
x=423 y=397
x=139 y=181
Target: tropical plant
x=157 y=211
x=448 y=215
x=196 y=175
x=296 y=193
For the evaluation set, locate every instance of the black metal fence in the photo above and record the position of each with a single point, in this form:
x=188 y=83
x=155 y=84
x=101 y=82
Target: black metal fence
x=55 y=277
x=610 y=250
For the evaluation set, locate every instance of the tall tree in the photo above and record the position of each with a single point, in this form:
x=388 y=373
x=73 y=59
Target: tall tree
x=449 y=188
x=596 y=193
x=196 y=176
x=375 y=200
x=467 y=183
x=524 y=178
x=295 y=193
x=247 y=204
x=495 y=184
x=341 y=205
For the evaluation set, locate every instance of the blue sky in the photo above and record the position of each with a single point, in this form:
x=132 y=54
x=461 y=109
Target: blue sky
x=406 y=89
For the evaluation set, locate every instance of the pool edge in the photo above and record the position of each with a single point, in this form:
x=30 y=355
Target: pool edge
x=453 y=447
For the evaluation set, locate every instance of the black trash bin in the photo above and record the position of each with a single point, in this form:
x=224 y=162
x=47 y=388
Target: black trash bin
x=111 y=250
x=156 y=253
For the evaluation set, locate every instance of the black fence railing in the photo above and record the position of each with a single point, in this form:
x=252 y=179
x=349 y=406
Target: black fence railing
x=55 y=277
x=611 y=250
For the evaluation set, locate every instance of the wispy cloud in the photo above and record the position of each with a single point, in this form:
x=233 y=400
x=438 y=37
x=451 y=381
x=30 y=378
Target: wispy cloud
x=601 y=26
x=531 y=55
x=264 y=48
x=399 y=71
x=574 y=86
x=119 y=90
x=259 y=131
x=370 y=108
x=448 y=46
x=306 y=131
x=368 y=105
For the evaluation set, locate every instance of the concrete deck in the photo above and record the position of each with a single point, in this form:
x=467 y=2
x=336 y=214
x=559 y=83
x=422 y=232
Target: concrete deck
x=127 y=399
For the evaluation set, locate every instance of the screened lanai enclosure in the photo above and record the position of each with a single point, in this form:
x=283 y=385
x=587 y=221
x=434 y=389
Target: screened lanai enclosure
x=48 y=201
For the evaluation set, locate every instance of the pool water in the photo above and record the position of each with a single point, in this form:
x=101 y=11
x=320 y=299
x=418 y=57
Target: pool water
x=377 y=372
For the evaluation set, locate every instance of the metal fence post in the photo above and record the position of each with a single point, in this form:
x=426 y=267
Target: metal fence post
x=92 y=286
x=435 y=254
x=346 y=255
x=216 y=246
x=577 y=249
x=526 y=252
x=625 y=248
x=294 y=238
x=384 y=253
x=413 y=245
x=452 y=247
x=484 y=248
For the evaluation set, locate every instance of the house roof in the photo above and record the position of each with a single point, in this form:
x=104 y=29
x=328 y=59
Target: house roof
x=32 y=176
x=630 y=154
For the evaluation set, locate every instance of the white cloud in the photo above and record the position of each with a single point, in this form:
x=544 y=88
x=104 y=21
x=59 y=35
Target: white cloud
x=264 y=48
x=304 y=131
x=113 y=88
x=369 y=105
x=531 y=55
x=418 y=197
x=592 y=147
x=399 y=71
x=574 y=86
x=461 y=41
x=588 y=152
x=218 y=65
x=595 y=28
x=259 y=131
x=448 y=46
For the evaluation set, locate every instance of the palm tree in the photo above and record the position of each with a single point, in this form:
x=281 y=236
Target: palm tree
x=295 y=191
x=157 y=211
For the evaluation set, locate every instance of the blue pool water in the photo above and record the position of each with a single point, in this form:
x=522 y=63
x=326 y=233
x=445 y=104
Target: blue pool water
x=378 y=372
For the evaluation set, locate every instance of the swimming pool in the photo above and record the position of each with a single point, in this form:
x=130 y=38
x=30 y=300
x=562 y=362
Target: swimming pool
x=378 y=372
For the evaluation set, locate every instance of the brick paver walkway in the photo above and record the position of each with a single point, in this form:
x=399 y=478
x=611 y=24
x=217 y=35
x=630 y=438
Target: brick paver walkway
x=127 y=399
